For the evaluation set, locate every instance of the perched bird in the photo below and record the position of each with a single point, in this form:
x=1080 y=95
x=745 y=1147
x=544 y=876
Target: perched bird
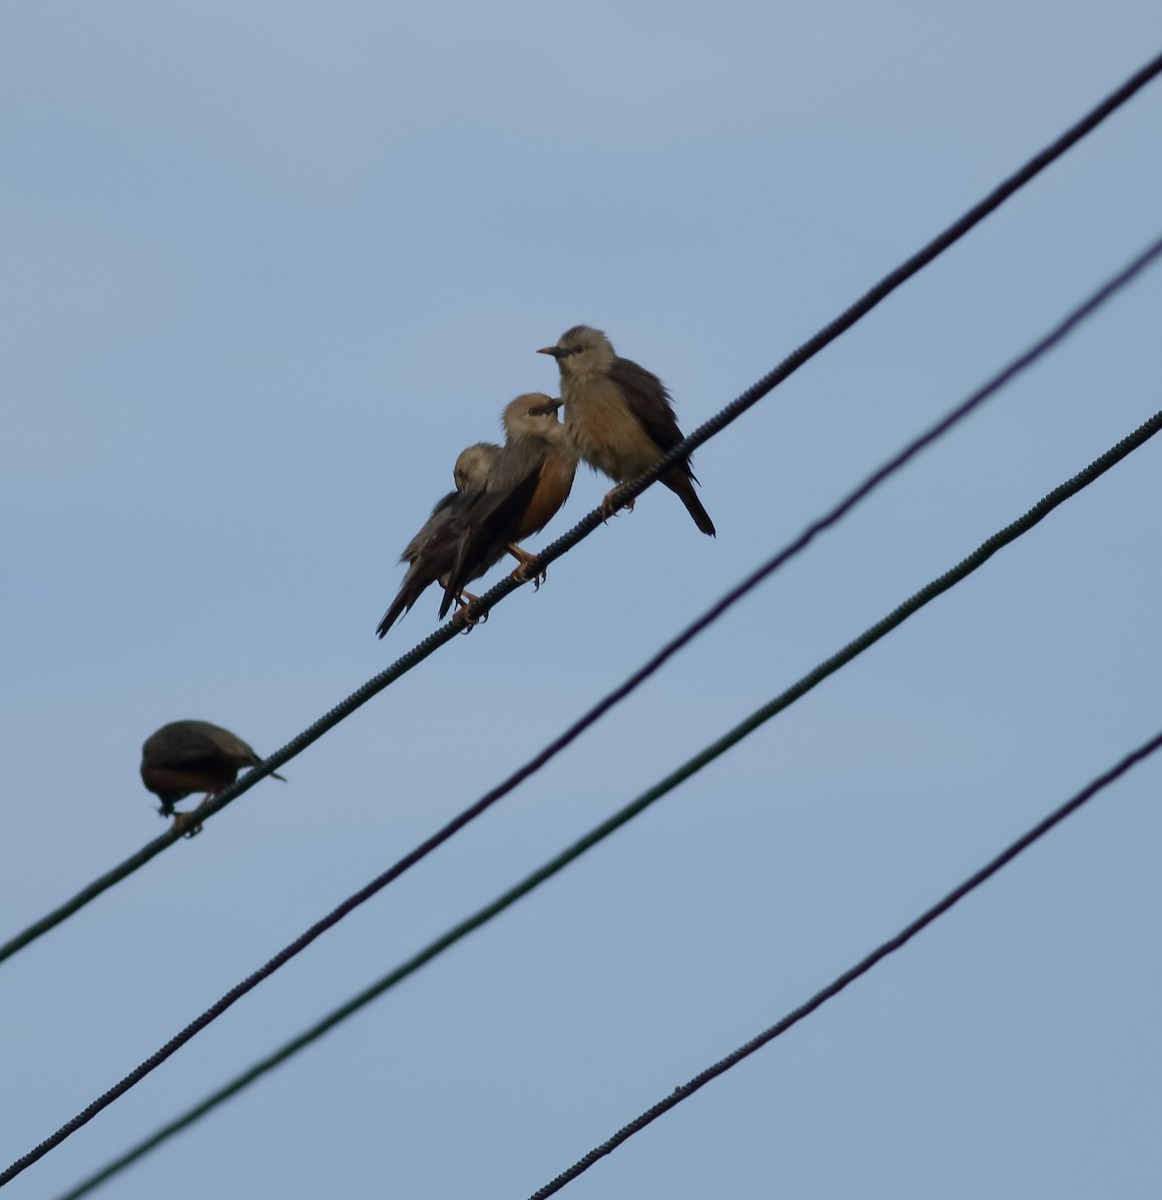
x=431 y=554
x=471 y=467
x=528 y=481
x=184 y=757
x=619 y=417
x=468 y=474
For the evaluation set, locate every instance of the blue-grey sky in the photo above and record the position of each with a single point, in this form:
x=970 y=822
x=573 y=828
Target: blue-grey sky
x=264 y=270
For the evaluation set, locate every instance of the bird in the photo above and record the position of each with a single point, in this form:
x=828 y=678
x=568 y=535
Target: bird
x=528 y=481
x=431 y=554
x=472 y=465
x=184 y=757
x=619 y=417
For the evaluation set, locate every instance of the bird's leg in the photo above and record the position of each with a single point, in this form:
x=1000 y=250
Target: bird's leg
x=461 y=615
x=460 y=598
x=612 y=502
x=521 y=574
x=186 y=824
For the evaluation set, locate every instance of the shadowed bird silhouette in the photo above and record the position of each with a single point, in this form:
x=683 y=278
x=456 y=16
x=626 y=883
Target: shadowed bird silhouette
x=619 y=417
x=185 y=757
x=431 y=554
x=528 y=481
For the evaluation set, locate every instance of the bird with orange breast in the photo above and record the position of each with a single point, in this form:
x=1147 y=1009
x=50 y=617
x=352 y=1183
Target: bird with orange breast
x=185 y=757
x=528 y=481
x=619 y=418
x=431 y=554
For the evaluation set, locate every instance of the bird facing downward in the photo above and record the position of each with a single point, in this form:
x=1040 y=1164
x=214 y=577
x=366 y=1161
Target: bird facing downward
x=530 y=478
x=619 y=418
x=472 y=466
x=185 y=757
x=431 y=554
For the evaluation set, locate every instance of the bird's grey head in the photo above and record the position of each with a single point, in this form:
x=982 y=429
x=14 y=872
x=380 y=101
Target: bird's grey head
x=532 y=415
x=472 y=466
x=581 y=350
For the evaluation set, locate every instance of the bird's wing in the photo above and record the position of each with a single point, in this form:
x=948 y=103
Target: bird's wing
x=648 y=400
x=431 y=554
x=432 y=527
x=495 y=513
x=187 y=744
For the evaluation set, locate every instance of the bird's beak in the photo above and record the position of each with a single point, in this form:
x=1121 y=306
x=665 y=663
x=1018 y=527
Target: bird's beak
x=555 y=351
x=543 y=410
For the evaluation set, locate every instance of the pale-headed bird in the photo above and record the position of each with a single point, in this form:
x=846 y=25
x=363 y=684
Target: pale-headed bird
x=619 y=418
x=528 y=481
x=431 y=554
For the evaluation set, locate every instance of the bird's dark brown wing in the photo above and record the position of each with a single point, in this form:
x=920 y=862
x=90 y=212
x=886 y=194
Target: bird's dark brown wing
x=495 y=514
x=431 y=554
x=649 y=401
x=188 y=742
x=432 y=528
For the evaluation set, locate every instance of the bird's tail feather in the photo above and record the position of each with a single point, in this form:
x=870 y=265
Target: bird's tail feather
x=680 y=484
x=407 y=595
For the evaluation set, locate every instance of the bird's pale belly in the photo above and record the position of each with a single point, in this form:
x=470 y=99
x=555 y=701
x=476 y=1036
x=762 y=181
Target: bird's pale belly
x=609 y=437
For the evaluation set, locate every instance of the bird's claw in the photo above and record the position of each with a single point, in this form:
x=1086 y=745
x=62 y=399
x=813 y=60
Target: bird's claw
x=612 y=501
x=463 y=618
x=186 y=824
x=521 y=575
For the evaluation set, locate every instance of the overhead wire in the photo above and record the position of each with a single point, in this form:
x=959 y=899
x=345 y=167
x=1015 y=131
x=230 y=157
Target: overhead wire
x=853 y=973
x=592 y=520
x=1006 y=856
x=715 y=750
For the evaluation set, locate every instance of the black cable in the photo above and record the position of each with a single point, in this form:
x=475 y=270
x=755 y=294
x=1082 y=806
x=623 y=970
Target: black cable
x=861 y=968
x=840 y=324
x=590 y=522
x=900 y=614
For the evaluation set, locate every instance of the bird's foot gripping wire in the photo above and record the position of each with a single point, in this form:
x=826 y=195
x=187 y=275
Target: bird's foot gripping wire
x=612 y=502
x=187 y=824
x=521 y=574
x=462 y=616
